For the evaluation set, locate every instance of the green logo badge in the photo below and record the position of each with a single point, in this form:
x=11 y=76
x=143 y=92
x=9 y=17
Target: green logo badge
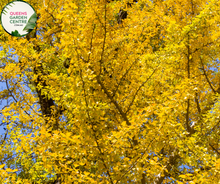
x=18 y=18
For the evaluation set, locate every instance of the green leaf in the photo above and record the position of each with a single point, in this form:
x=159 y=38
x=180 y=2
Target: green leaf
x=15 y=33
x=4 y=12
x=33 y=18
x=29 y=26
x=31 y=22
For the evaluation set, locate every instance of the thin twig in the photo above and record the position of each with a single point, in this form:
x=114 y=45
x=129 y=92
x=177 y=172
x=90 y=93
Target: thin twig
x=139 y=90
x=210 y=84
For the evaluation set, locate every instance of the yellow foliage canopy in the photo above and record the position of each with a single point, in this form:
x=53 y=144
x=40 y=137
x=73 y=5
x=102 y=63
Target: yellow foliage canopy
x=113 y=92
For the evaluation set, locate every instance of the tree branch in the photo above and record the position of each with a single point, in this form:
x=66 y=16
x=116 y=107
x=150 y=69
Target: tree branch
x=138 y=91
x=112 y=100
x=206 y=76
x=172 y=161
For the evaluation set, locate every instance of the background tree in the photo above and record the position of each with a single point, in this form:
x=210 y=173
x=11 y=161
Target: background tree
x=99 y=98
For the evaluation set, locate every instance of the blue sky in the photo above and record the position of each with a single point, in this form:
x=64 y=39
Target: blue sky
x=3 y=102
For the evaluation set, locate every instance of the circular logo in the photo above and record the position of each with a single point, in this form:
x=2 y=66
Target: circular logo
x=18 y=18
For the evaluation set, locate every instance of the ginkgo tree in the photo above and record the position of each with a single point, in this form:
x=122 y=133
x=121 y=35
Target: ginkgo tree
x=113 y=92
